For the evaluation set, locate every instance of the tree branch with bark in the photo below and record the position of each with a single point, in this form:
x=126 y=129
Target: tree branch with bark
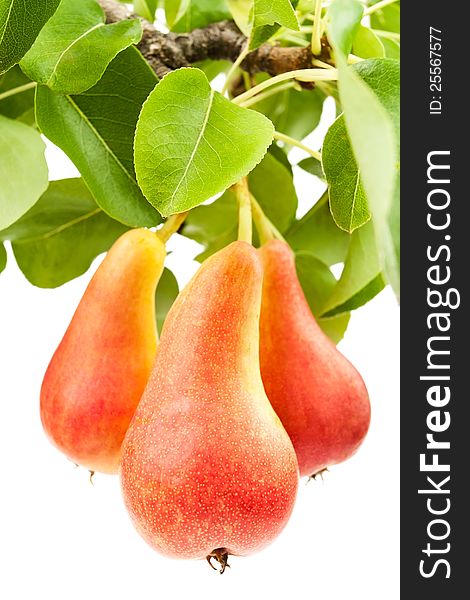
x=218 y=41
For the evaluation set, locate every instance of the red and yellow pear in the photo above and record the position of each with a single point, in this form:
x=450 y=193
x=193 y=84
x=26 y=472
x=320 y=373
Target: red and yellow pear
x=207 y=469
x=100 y=368
x=319 y=396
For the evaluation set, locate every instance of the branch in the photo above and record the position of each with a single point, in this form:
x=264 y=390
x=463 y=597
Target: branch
x=218 y=41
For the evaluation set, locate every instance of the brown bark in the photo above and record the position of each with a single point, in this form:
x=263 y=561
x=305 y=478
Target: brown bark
x=218 y=41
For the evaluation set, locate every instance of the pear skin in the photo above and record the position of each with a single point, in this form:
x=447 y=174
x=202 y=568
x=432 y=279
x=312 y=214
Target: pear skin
x=207 y=468
x=100 y=368
x=319 y=396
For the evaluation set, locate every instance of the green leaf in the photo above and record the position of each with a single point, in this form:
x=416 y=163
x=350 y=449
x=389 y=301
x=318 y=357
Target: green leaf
x=241 y=11
x=21 y=105
x=191 y=143
x=260 y=35
x=273 y=187
x=335 y=327
x=208 y=223
x=367 y=44
x=268 y=16
x=316 y=232
x=167 y=290
x=306 y=6
x=348 y=203
x=146 y=9
x=293 y=112
x=3 y=257
x=361 y=278
x=345 y=19
x=260 y=19
x=316 y=279
x=58 y=238
x=318 y=282
x=198 y=13
x=73 y=50
x=372 y=113
x=392 y=48
x=383 y=78
x=372 y=132
x=23 y=169
x=20 y=23
x=312 y=166
x=216 y=225
x=269 y=12
x=393 y=223
x=302 y=113
x=174 y=10
x=387 y=18
x=96 y=130
x=281 y=156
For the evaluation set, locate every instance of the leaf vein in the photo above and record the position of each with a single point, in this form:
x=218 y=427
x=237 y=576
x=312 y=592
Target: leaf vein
x=196 y=146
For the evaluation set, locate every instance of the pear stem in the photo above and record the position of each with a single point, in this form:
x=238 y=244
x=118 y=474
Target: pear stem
x=245 y=230
x=263 y=224
x=266 y=230
x=171 y=226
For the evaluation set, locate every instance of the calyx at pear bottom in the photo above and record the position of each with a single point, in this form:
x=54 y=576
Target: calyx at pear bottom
x=207 y=468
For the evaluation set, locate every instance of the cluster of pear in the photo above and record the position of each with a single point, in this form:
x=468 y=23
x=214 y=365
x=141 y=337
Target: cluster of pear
x=209 y=466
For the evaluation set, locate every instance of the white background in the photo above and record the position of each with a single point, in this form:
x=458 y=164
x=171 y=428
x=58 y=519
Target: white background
x=62 y=538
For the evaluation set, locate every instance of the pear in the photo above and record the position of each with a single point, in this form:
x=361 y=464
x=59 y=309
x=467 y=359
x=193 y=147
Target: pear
x=319 y=396
x=99 y=371
x=207 y=469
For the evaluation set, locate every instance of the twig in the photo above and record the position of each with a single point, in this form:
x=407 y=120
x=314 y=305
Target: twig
x=378 y=6
x=292 y=142
x=18 y=90
x=218 y=41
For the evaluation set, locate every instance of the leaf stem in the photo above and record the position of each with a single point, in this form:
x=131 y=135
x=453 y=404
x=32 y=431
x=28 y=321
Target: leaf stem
x=245 y=229
x=292 y=142
x=247 y=80
x=353 y=59
x=300 y=75
x=316 y=31
x=294 y=38
x=387 y=34
x=18 y=90
x=234 y=67
x=171 y=226
x=264 y=95
x=326 y=88
x=375 y=7
x=321 y=64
